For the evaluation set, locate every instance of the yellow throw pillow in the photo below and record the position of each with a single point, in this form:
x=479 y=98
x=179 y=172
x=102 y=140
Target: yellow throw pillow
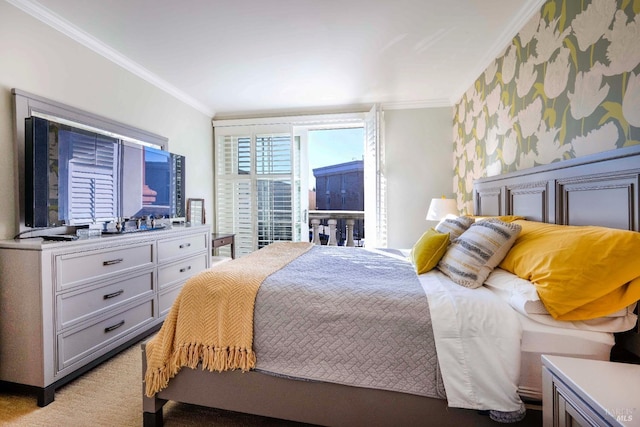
x=580 y=272
x=428 y=250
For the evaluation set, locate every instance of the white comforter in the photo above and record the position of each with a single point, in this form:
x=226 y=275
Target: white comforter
x=477 y=339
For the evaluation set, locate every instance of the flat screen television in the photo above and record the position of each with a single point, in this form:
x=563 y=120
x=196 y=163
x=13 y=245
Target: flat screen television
x=75 y=176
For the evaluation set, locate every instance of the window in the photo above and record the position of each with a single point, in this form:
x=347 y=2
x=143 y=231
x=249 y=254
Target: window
x=261 y=177
x=255 y=188
x=274 y=167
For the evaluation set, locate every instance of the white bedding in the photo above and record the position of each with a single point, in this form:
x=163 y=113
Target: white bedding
x=518 y=330
x=542 y=334
x=523 y=297
x=477 y=337
x=539 y=339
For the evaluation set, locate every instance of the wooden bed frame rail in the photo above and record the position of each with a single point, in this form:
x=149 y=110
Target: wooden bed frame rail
x=310 y=402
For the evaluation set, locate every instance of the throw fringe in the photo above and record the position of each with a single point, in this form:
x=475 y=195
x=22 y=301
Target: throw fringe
x=191 y=355
x=211 y=321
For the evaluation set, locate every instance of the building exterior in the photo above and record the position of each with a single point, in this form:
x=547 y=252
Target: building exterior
x=341 y=188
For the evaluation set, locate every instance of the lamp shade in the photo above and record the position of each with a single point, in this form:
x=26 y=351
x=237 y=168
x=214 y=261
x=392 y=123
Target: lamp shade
x=440 y=208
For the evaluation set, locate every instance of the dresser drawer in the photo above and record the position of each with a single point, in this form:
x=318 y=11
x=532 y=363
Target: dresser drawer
x=166 y=299
x=180 y=271
x=182 y=246
x=77 y=344
x=73 y=269
x=76 y=306
x=573 y=409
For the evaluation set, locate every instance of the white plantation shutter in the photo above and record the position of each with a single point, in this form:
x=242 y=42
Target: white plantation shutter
x=274 y=211
x=300 y=187
x=254 y=193
x=92 y=177
x=234 y=201
x=375 y=183
x=273 y=154
x=274 y=169
x=235 y=211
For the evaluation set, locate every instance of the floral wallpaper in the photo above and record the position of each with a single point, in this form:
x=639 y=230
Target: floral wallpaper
x=566 y=86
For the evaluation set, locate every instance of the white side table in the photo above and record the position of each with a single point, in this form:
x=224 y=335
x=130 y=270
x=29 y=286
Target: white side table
x=582 y=392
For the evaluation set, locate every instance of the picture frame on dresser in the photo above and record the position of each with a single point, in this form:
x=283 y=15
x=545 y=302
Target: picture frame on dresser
x=195 y=211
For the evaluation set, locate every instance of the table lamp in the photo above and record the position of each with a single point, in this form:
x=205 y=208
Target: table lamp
x=441 y=208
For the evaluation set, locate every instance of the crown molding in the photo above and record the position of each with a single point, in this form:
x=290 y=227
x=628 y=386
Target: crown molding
x=316 y=120
x=410 y=105
x=41 y=13
x=507 y=35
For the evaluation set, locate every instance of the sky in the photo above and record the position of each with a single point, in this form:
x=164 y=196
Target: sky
x=334 y=146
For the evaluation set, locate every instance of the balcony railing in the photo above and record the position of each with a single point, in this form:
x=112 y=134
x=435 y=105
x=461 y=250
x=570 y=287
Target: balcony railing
x=332 y=217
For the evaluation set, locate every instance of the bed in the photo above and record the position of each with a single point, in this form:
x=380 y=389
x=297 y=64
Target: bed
x=599 y=190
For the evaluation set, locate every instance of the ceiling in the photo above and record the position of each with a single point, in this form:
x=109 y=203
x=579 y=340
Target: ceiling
x=243 y=57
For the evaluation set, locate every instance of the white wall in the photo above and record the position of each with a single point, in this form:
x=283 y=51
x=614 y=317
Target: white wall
x=37 y=59
x=419 y=153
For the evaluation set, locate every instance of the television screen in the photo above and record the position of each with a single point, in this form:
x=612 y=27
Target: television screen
x=74 y=176
x=146 y=182
x=71 y=175
x=88 y=164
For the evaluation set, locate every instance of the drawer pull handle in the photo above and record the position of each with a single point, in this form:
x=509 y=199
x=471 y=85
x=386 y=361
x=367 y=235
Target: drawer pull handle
x=113 y=294
x=114 y=327
x=112 y=261
x=183 y=269
x=185 y=245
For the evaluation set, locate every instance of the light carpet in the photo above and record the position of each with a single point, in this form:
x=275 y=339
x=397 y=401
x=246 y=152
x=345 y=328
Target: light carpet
x=111 y=395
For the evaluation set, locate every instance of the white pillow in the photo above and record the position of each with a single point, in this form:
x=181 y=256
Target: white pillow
x=521 y=294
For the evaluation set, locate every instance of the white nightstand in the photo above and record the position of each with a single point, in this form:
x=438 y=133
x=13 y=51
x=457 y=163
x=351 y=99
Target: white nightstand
x=582 y=392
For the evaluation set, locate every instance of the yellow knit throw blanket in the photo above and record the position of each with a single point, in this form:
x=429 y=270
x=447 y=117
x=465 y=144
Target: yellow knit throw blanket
x=211 y=321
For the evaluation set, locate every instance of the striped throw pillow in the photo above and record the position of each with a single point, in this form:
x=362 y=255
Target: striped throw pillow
x=454 y=226
x=472 y=256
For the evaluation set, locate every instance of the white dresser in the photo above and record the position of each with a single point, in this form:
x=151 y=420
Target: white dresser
x=67 y=306
x=582 y=392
